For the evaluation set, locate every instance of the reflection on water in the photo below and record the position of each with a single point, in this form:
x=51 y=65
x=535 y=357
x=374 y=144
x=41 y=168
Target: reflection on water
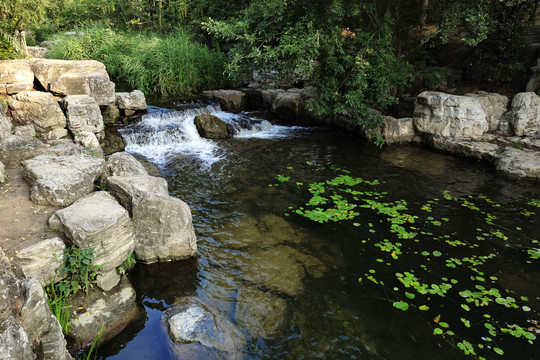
x=250 y=252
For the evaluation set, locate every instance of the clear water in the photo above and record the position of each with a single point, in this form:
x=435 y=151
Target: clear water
x=334 y=316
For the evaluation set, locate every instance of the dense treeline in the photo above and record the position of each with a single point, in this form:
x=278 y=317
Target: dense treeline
x=357 y=53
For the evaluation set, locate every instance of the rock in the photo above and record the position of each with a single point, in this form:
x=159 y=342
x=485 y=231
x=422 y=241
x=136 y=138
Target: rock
x=39 y=109
x=478 y=150
x=398 y=131
x=287 y=105
x=37 y=51
x=449 y=115
x=14 y=342
x=520 y=163
x=262 y=314
x=61 y=148
x=524 y=114
x=127 y=189
x=190 y=320
x=89 y=141
x=230 y=100
x=97 y=221
x=68 y=77
x=16 y=149
x=15 y=76
x=41 y=260
x=533 y=85
x=107 y=281
x=280 y=269
x=24 y=131
x=5 y=125
x=111 y=114
x=60 y=180
x=268 y=97
x=48 y=44
x=494 y=105
x=3 y=175
x=134 y=100
x=113 y=142
x=41 y=325
x=124 y=164
x=211 y=127
x=83 y=114
x=163 y=228
x=116 y=309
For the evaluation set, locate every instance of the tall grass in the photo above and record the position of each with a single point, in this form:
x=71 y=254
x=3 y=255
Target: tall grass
x=168 y=65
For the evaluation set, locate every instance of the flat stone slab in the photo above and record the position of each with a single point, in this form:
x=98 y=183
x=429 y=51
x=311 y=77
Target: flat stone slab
x=15 y=149
x=520 y=163
x=124 y=164
x=61 y=180
x=127 y=188
x=41 y=260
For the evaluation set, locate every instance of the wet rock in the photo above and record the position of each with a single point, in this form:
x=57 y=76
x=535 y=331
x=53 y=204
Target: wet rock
x=472 y=149
x=287 y=105
x=15 y=149
x=127 y=189
x=524 y=114
x=24 y=131
x=260 y=313
x=280 y=269
x=230 y=100
x=3 y=175
x=520 y=163
x=41 y=325
x=398 y=131
x=450 y=115
x=494 y=105
x=134 y=100
x=115 y=309
x=163 y=228
x=83 y=114
x=41 y=110
x=5 y=125
x=111 y=114
x=67 y=77
x=211 y=127
x=191 y=321
x=124 y=164
x=41 y=260
x=60 y=180
x=15 y=76
x=97 y=221
x=112 y=143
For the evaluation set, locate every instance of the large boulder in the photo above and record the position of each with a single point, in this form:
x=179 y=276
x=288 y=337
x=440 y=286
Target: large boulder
x=83 y=114
x=127 y=189
x=61 y=180
x=520 y=163
x=41 y=260
x=41 y=110
x=211 y=127
x=67 y=77
x=124 y=164
x=494 y=105
x=202 y=332
x=15 y=76
x=398 y=131
x=97 y=221
x=163 y=228
x=287 y=105
x=450 y=115
x=524 y=114
x=134 y=100
x=15 y=149
x=230 y=100
x=5 y=125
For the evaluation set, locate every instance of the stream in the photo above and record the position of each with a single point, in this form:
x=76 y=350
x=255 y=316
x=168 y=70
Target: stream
x=438 y=258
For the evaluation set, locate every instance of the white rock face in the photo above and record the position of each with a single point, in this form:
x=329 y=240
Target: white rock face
x=494 y=105
x=124 y=164
x=524 y=114
x=398 y=131
x=15 y=76
x=134 y=100
x=520 y=163
x=128 y=189
x=83 y=114
x=3 y=176
x=450 y=115
x=41 y=260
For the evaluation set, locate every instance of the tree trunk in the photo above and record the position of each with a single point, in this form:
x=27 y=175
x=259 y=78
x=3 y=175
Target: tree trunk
x=423 y=15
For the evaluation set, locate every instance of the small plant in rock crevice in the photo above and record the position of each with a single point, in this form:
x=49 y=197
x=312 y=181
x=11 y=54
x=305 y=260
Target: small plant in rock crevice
x=79 y=270
x=128 y=264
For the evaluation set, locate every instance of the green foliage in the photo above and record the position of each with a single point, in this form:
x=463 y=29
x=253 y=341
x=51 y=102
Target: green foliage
x=79 y=270
x=171 y=65
x=127 y=264
x=58 y=305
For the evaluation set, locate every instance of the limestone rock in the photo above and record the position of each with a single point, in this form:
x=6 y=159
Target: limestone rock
x=41 y=325
x=478 y=150
x=15 y=149
x=41 y=260
x=268 y=97
x=134 y=100
x=15 y=76
x=67 y=77
x=494 y=105
x=14 y=342
x=524 y=114
x=127 y=189
x=287 y=105
x=60 y=180
x=24 y=131
x=190 y=321
x=111 y=114
x=124 y=164
x=520 y=163
x=37 y=51
x=163 y=228
x=97 y=221
x=230 y=100
x=39 y=109
x=116 y=309
x=3 y=176
x=398 y=131
x=211 y=127
x=5 y=125
x=262 y=314
x=89 y=141
x=450 y=115
x=113 y=142
x=83 y=114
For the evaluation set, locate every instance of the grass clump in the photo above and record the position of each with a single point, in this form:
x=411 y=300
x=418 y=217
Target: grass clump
x=170 y=65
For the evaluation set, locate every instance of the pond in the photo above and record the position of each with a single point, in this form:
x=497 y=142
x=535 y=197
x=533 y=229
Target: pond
x=318 y=245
